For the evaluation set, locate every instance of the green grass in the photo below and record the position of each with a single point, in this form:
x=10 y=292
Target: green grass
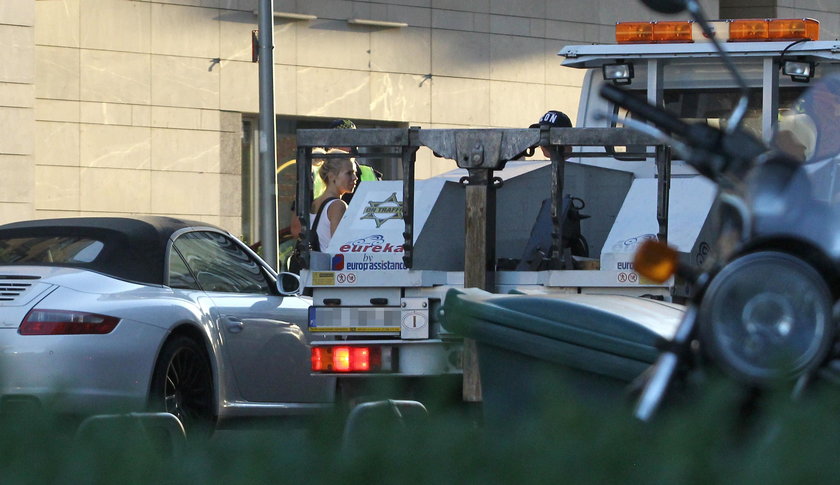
x=703 y=441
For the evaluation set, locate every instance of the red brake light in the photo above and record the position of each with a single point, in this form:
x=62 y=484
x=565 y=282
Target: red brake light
x=346 y=359
x=318 y=359
x=360 y=359
x=62 y=322
x=341 y=359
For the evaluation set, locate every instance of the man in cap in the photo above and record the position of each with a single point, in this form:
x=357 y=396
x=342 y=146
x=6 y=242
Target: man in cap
x=554 y=119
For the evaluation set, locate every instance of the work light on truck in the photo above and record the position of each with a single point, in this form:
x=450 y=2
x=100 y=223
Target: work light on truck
x=799 y=71
x=619 y=73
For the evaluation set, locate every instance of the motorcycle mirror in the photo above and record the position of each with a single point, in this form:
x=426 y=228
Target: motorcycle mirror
x=666 y=6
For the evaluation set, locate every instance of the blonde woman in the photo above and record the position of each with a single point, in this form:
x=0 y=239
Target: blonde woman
x=339 y=176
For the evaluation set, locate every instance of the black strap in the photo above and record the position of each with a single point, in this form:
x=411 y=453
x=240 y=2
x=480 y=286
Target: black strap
x=316 y=242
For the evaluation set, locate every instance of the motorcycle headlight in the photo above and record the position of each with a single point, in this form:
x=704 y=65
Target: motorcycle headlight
x=766 y=316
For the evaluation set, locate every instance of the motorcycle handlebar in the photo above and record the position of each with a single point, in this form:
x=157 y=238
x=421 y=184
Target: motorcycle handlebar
x=641 y=109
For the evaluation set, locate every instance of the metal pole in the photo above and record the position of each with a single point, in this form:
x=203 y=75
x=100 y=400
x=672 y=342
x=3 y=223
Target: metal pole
x=268 y=130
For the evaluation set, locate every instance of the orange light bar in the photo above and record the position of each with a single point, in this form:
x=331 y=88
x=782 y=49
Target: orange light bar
x=748 y=30
x=794 y=29
x=740 y=30
x=774 y=29
x=672 y=32
x=634 y=32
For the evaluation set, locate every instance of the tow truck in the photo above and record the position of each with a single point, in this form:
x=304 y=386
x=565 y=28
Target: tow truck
x=542 y=227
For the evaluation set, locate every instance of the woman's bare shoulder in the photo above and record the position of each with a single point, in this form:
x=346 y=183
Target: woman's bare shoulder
x=337 y=207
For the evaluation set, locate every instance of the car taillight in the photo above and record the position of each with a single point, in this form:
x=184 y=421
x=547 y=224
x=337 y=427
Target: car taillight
x=61 y=322
x=346 y=359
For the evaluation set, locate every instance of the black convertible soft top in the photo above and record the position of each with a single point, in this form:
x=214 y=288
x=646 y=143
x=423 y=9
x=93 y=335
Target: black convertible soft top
x=134 y=249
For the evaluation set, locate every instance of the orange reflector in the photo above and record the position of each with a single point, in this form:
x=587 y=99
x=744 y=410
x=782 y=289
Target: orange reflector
x=748 y=30
x=794 y=29
x=346 y=359
x=672 y=32
x=633 y=32
x=655 y=261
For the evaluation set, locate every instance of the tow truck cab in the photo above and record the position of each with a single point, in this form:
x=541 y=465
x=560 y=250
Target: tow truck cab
x=377 y=288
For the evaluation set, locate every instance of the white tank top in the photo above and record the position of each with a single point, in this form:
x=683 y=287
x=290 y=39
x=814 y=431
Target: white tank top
x=323 y=229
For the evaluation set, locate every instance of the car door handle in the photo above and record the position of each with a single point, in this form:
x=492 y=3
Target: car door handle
x=234 y=325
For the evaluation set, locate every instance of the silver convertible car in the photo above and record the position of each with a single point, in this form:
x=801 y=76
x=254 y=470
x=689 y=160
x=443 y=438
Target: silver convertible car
x=110 y=315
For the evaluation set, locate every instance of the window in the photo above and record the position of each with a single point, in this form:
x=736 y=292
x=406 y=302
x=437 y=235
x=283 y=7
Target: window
x=179 y=274
x=250 y=185
x=73 y=250
x=714 y=106
x=711 y=106
x=219 y=264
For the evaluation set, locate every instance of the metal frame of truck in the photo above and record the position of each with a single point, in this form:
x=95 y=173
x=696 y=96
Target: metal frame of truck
x=481 y=152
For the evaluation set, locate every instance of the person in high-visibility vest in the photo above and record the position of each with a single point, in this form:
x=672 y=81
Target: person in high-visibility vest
x=363 y=173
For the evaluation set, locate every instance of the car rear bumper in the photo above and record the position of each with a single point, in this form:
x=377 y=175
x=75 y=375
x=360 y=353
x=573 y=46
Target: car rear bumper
x=79 y=374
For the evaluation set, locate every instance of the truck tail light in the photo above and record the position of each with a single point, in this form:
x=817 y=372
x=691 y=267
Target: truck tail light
x=346 y=359
x=63 y=322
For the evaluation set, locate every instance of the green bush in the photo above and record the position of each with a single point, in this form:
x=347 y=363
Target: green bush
x=712 y=439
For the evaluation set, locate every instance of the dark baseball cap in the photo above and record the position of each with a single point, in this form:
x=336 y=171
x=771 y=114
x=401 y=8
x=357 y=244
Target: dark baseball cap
x=343 y=124
x=554 y=119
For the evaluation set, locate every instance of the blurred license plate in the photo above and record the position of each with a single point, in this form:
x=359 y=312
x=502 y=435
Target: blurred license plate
x=354 y=319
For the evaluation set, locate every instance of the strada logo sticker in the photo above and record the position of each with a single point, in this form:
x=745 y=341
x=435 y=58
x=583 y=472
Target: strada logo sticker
x=384 y=211
x=375 y=243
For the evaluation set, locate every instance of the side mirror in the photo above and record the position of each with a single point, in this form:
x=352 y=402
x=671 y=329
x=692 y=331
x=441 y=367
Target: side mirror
x=666 y=6
x=288 y=284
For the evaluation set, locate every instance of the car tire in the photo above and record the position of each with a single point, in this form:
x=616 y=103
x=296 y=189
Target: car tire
x=182 y=384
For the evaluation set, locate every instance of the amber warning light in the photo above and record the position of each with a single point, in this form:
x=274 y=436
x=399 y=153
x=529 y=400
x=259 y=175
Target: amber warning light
x=656 y=261
x=740 y=30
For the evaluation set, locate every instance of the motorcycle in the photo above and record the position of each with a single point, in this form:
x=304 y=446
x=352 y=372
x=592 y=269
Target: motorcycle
x=765 y=308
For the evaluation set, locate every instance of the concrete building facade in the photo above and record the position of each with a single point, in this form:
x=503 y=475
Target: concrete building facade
x=121 y=107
